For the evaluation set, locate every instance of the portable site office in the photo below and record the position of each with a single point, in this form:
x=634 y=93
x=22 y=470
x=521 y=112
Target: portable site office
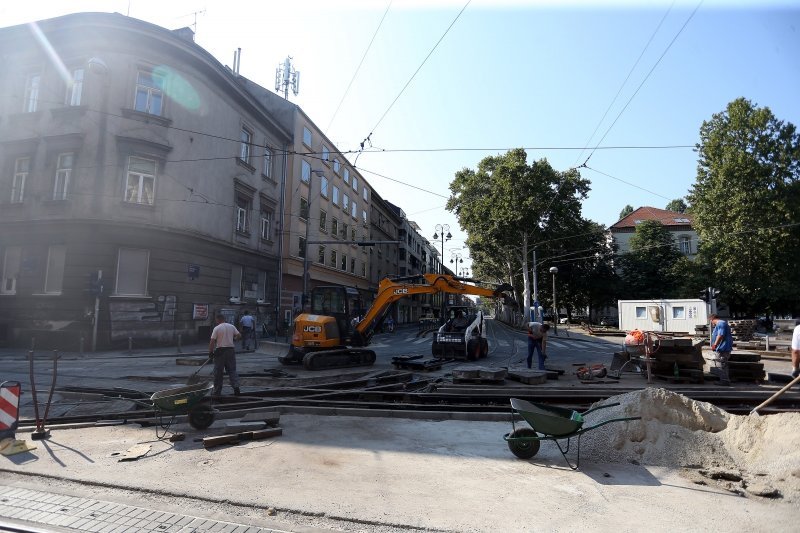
x=678 y=316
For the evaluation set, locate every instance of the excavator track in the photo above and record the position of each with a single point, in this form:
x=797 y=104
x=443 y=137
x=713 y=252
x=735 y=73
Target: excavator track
x=343 y=358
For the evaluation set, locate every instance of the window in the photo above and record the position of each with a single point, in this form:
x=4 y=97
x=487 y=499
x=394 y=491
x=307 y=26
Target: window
x=63 y=173
x=333 y=259
x=266 y=225
x=345 y=203
x=74 y=88
x=306 y=136
x=321 y=255
x=54 y=277
x=11 y=261
x=353 y=234
x=354 y=210
x=236 y=281
x=352 y=265
x=22 y=166
x=335 y=198
x=343 y=265
x=132 y=267
x=679 y=312
x=323 y=221
x=244 y=147
x=303 y=208
x=336 y=166
x=346 y=176
x=326 y=154
x=149 y=95
x=323 y=186
x=267 y=170
x=366 y=195
x=301 y=247
x=641 y=312
x=343 y=228
x=334 y=227
x=355 y=184
x=305 y=171
x=32 y=84
x=364 y=215
x=686 y=245
x=364 y=270
x=243 y=205
x=140 y=181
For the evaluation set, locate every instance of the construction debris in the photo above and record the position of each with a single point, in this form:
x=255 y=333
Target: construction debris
x=211 y=442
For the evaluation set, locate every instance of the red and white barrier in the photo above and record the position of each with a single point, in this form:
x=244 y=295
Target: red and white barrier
x=9 y=406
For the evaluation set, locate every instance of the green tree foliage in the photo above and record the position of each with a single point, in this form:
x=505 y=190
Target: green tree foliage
x=746 y=207
x=627 y=210
x=506 y=206
x=678 y=205
x=652 y=267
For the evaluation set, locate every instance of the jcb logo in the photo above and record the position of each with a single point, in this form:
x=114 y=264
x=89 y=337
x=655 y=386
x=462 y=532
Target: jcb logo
x=312 y=329
x=401 y=291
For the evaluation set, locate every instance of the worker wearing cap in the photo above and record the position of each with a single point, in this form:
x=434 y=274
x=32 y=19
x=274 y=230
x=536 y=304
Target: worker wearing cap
x=537 y=340
x=722 y=344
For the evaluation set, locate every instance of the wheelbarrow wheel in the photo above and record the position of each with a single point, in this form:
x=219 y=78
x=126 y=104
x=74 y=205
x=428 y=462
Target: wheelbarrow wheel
x=201 y=417
x=524 y=449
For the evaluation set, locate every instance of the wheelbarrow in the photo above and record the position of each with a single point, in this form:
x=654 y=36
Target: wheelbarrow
x=192 y=400
x=550 y=423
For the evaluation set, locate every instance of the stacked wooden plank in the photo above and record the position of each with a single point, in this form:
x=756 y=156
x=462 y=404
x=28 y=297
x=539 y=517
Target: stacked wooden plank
x=742 y=330
x=678 y=360
x=746 y=366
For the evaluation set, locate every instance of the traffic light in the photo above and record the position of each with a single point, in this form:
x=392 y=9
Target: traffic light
x=705 y=295
x=714 y=294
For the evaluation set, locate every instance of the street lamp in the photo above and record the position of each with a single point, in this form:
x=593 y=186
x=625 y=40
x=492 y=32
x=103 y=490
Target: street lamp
x=441 y=229
x=456 y=258
x=554 y=271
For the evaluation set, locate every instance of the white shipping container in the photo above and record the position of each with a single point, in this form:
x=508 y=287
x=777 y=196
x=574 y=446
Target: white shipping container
x=677 y=316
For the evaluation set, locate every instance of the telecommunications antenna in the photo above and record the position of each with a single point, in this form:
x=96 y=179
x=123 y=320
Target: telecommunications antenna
x=286 y=76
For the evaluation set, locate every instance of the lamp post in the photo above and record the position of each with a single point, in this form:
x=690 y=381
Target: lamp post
x=456 y=258
x=554 y=271
x=441 y=229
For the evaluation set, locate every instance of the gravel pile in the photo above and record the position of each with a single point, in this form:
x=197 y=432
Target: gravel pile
x=750 y=455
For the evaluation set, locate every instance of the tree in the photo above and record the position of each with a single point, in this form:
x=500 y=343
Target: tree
x=506 y=206
x=627 y=210
x=746 y=207
x=649 y=268
x=678 y=205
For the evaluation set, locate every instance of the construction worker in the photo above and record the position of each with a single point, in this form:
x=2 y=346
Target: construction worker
x=722 y=344
x=221 y=350
x=537 y=340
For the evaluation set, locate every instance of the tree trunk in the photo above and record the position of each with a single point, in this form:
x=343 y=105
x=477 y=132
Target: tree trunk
x=526 y=284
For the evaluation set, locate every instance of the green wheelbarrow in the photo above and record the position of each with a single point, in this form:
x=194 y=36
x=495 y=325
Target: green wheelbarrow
x=192 y=400
x=550 y=423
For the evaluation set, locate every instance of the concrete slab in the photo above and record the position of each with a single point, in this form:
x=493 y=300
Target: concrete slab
x=401 y=473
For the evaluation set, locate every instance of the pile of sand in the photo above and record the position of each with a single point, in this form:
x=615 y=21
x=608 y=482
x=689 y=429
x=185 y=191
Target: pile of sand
x=763 y=452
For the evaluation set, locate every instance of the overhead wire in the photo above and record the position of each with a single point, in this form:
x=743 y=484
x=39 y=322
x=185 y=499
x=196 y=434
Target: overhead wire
x=352 y=79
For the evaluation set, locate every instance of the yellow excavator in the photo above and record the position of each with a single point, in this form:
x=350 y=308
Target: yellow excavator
x=337 y=330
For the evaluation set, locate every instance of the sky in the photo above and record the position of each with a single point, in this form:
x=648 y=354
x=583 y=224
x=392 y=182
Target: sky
x=506 y=74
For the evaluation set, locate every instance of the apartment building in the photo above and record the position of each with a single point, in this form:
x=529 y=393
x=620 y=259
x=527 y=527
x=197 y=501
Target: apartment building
x=140 y=187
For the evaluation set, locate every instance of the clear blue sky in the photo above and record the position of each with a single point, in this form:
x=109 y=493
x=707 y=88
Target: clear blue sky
x=508 y=74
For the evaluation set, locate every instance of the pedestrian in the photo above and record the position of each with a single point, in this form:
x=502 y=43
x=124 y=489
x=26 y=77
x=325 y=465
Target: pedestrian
x=221 y=350
x=722 y=344
x=248 y=325
x=537 y=340
x=796 y=352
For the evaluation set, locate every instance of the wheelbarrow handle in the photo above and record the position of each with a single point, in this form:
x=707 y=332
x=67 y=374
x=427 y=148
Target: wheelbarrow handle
x=598 y=408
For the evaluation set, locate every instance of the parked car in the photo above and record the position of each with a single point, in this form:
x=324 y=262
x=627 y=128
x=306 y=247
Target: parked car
x=611 y=321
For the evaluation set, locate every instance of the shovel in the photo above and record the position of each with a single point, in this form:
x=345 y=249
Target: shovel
x=194 y=378
x=774 y=396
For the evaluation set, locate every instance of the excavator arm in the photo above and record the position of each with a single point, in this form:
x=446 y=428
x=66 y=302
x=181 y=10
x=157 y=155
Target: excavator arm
x=389 y=291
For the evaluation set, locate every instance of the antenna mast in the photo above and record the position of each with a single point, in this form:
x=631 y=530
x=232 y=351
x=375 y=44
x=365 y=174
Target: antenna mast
x=286 y=76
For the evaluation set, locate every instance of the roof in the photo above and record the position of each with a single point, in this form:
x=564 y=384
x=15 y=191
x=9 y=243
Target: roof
x=666 y=217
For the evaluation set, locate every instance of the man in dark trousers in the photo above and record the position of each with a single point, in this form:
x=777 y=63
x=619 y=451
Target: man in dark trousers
x=722 y=344
x=537 y=340
x=248 y=328
x=221 y=350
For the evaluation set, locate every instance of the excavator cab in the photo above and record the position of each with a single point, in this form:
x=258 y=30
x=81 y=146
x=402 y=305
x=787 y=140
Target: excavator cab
x=344 y=304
